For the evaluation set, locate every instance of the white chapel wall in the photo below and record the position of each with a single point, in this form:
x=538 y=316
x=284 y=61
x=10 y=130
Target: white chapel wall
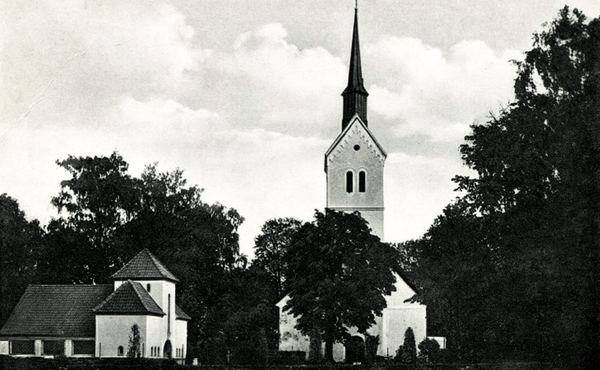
x=113 y=331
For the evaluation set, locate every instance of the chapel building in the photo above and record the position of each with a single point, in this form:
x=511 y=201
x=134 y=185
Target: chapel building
x=354 y=167
x=89 y=320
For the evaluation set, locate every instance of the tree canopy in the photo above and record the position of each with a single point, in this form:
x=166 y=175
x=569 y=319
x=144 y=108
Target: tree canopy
x=337 y=275
x=512 y=269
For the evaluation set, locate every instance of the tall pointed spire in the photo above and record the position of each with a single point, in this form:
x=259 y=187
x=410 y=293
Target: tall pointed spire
x=355 y=94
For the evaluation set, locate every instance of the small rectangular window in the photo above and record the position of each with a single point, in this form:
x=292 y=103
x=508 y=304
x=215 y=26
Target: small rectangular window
x=54 y=347
x=23 y=347
x=84 y=347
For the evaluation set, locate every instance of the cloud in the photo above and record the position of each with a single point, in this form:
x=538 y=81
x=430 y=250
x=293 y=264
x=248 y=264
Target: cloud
x=285 y=88
x=435 y=94
x=92 y=51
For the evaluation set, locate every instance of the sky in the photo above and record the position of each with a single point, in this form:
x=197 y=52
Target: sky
x=244 y=95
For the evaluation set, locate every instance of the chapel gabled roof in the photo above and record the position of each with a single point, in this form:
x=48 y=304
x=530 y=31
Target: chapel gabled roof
x=130 y=298
x=56 y=311
x=144 y=266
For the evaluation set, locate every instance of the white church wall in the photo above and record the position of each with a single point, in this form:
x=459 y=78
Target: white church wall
x=290 y=338
x=156 y=335
x=179 y=338
x=396 y=321
x=112 y=331
x=357 y=152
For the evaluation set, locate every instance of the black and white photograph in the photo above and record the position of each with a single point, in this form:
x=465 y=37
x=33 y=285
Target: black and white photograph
x=300 y=185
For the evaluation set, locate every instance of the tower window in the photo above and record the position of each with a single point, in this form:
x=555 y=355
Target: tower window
x=362 y=181
x=357 y=147
x=349 y=182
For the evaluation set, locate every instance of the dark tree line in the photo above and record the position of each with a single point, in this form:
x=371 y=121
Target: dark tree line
x=511 y=270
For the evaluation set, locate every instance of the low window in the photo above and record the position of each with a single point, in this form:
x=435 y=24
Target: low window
x=54 y=347
x=349 y=182
x=120 y=351
x=23 y=347
x=84 y=347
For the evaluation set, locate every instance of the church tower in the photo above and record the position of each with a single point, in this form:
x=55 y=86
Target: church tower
x=354 y=162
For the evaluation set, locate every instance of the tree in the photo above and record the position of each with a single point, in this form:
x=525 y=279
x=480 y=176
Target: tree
x=21 y=242
x=429 y=350
x=537 y=188
x=134 y=347
x=407 y=353
x=271 y=246
x=337 y=276
x=98 y=199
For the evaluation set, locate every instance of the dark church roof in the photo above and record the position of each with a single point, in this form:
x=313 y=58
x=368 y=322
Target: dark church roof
x=56 y=310
x=355 y=94
x=179 y=314
x=144 y=266
x=130 y=298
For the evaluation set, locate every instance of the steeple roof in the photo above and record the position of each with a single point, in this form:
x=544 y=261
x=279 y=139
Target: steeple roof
x=144 y=266
x=355 y=94
x=355 y=79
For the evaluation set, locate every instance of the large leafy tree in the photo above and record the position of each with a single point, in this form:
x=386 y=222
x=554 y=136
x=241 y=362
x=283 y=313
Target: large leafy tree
x=270 y=248
x=21 y=242
x=337 y=275
x=537 y=189
x=99 y=198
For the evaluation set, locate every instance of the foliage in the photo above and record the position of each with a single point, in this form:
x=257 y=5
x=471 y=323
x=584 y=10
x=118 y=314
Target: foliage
x=512 y=269
x=270 y=247
x=371 y=344
x=20 y=245
x=407 y=352
x=337 y=275
x=429 y=350
x=135 y=346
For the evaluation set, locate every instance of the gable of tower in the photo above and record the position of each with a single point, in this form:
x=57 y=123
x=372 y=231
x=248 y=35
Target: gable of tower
x=356 y=133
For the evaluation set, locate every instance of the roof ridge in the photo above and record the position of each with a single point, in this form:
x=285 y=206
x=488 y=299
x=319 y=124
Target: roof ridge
x=134 y=285
x=157 y=263
x=144 y=265
x=138 y=297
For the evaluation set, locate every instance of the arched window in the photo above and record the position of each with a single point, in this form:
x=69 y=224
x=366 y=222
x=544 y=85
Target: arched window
x=362 y=181
x=148 y=287
x=349 y=182
x=120 y=351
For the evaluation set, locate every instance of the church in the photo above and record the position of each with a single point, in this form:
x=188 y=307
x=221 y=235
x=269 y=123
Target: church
x=354 y=167
x=96 y=320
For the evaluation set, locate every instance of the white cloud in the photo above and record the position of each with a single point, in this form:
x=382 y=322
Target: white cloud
x=283 y=83
x=436 y=95
x=91 y=51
